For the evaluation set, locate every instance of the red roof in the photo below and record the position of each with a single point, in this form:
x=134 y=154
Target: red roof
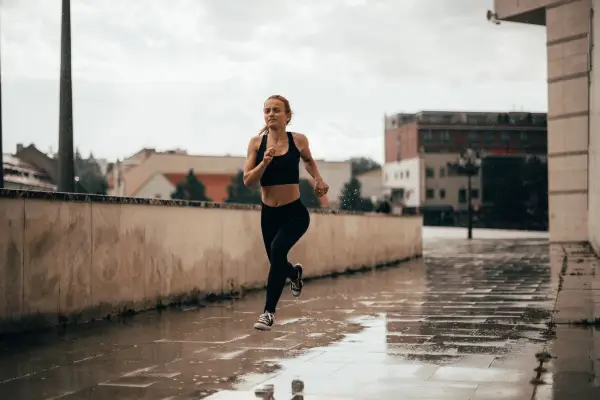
x=176 y=177
x=215 y=184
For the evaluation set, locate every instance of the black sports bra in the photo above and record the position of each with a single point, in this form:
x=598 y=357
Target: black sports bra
x=283 y=169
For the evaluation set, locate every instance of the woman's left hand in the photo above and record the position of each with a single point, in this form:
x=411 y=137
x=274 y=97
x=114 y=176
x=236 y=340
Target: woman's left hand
x=321 y=188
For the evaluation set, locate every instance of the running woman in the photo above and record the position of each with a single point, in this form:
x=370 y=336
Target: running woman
x=273 y=161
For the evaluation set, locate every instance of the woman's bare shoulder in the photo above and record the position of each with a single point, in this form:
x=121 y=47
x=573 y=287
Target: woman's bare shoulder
x=299 y=137
x=256 y=139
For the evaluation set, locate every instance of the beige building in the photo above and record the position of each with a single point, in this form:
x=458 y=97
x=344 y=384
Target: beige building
x=371 y=184
x=573 y=34
x=442 y=187
x=425 y=182
x=149 y=173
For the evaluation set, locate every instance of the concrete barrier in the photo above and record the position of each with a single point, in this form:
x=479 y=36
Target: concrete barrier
x=73 y=258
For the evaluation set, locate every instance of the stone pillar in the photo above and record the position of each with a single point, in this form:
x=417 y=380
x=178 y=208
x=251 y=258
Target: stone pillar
x=567 y=27
x=594 y=136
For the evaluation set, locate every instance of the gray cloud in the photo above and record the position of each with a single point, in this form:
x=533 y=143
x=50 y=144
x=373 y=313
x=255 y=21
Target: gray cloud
x=191 y=74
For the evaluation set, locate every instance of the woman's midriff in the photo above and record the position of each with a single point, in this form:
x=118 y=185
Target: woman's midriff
x=280 y=195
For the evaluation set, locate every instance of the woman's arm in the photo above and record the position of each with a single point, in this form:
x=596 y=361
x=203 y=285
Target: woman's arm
x=253 y=172
x=309 y=163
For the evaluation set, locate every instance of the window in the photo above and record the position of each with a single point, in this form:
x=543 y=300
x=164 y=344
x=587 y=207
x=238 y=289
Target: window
x=474 y=193
x=407 y=174
x=524 y=136
x=397 y=194
x=442 y=172
x=489 y=136
x=505 y=136
x=442 y=194
x=427 y=136
x=444 y=136
x=472 y=137
x=429 y=172
x=462 y=196
x=401 y=175
x=429 y=193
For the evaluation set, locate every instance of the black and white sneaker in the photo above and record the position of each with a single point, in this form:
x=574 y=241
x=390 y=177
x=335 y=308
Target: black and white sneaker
x=265 y=321
x=297 y=284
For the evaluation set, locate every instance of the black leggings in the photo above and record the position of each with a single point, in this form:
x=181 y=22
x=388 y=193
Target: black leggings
x=281 y=228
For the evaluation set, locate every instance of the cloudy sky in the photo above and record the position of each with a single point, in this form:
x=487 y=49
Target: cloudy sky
x=194 y=74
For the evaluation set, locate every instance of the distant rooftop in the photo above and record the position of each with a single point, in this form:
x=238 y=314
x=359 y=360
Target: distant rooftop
x=473 y=118
x=11 y=160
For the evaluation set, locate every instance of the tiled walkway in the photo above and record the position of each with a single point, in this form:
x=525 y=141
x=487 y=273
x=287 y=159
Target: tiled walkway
x=463 y=323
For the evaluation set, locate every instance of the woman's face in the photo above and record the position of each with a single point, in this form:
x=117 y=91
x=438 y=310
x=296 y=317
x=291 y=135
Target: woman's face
x=274 y=113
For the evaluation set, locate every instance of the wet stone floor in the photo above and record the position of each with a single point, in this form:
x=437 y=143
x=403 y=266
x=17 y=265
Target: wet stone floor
x=464 y=322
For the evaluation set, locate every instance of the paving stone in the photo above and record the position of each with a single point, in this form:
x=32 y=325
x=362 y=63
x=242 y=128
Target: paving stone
x=464 y=322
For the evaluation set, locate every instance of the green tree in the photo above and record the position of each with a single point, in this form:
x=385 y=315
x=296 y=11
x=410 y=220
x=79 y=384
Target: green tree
x=190 y=189
x=239 y=193
x=535 y=179
x=361 y=165
x=308 y=195
x=351 y=199
x=89 y=176
x=505 y=191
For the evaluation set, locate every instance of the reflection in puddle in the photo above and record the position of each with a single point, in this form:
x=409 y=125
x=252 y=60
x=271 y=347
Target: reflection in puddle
x=267 y=392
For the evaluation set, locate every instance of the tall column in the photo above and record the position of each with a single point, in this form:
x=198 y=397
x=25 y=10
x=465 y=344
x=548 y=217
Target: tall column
x=568 y=45
x=594 y=134
x=66 y=167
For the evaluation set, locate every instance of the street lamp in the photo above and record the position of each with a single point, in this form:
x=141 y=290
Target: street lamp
x=469 y=164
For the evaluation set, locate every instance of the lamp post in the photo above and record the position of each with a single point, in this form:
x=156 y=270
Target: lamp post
x=66 y=167
x=468 y=164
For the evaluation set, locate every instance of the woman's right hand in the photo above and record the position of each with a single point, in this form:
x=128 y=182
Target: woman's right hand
x=268 y=157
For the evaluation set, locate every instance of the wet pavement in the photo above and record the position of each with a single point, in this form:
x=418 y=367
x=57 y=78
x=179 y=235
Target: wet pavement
x=465 y=322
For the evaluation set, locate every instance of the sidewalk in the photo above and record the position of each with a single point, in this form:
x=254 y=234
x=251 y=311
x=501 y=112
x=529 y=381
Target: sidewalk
x=464 y=323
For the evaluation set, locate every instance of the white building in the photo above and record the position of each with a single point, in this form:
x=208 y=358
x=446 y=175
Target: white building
x=20 y=175
x=404 y=181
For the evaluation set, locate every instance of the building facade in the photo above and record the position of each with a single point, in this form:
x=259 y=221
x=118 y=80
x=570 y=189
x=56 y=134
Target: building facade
x=371 y=184
x=20 y=175
x=419 y=147
x=404 y=182
x=572 y=32
x=149 y=173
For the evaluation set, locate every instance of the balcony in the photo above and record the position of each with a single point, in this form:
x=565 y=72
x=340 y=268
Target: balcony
x=524 y=11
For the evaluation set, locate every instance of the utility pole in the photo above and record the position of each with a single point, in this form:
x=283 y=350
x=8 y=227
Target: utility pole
x=1 y=151
x=66 y=167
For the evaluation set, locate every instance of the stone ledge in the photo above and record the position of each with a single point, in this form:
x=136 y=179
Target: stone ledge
x=578 y=297
x=94 y=198
x=33 y=322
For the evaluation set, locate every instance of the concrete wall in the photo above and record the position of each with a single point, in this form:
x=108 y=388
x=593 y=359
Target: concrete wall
x=77 y=260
